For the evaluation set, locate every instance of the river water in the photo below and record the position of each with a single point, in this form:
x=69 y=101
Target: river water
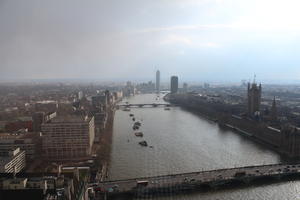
x=184 y=142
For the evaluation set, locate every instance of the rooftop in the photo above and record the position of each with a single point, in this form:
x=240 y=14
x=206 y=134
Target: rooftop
x=70 y=119
x=4 y=136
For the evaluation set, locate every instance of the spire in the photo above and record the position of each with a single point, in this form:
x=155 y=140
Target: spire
x=274 y=110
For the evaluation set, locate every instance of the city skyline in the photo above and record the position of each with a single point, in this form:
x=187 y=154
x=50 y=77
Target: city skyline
x=112 y=99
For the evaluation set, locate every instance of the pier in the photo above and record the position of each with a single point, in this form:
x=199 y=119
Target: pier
x=202 y=180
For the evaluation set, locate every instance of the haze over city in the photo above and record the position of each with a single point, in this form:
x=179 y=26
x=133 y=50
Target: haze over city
x=215 y=40
x=149 y=99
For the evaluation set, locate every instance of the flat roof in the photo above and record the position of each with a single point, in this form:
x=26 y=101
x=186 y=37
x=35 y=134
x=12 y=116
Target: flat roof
x=69 y=119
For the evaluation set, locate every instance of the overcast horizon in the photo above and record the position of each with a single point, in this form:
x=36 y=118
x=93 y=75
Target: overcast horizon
x=198 y=40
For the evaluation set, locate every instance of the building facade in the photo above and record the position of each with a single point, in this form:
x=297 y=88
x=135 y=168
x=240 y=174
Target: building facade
x=68 y=138
x=174 y=84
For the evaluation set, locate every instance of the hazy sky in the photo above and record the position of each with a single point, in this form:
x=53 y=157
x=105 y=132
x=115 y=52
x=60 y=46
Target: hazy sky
x=130 y=39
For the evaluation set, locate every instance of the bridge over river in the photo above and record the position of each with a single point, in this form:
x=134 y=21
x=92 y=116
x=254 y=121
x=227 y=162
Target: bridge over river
x=203 y=180
x=145 y=105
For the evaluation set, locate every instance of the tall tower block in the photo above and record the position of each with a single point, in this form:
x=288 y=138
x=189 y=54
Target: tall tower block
x=174 y=84
x=157 y=85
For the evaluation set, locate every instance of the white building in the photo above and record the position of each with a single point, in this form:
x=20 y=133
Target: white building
x=12 y=161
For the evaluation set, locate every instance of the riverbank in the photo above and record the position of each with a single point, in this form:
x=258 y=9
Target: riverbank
x=258 y=132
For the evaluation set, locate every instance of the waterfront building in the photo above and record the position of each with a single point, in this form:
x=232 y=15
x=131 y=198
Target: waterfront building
x=254 y=98
x=157 y=85
x=100 y=124
x=290 y=141
x=12 y=161
x=174 y=84
x=68 y=138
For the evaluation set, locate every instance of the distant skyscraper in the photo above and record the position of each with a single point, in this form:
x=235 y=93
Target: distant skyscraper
x=157 y=81
x=174 y=84
x=254 y=98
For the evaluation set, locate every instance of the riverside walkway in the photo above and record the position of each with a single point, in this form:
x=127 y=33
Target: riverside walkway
x=202 y=180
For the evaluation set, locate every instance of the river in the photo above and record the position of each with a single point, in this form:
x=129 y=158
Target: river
x=184 y=142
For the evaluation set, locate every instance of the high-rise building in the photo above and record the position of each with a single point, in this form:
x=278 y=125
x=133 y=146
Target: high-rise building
x=254 y=98
x=174 y=84
x=157 y=85
x=68 y=138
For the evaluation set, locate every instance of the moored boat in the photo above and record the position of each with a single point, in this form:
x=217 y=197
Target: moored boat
x=143 y=143
x=139 y=134
x=135 y=127
x=137 y=124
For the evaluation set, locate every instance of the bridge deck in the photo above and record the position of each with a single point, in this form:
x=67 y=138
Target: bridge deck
x=145 y=104
x=210 y=177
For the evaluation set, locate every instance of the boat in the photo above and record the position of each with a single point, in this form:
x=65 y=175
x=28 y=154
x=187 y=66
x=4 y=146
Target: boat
x=143 y=143
x=126 y=109
x=137 y=124
x=167 y=108
x=139 y=134
x=135 y=127
x=131 y=115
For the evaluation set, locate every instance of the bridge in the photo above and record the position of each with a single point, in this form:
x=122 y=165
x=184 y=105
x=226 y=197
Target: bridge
x=145 y=105
x=200 y=181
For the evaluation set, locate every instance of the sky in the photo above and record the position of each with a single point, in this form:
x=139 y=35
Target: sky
x=198 y=40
